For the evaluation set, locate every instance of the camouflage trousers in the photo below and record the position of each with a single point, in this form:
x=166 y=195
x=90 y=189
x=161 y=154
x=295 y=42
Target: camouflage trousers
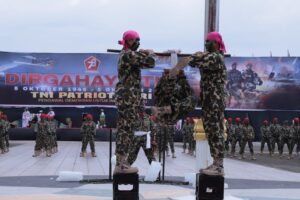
x=275 y=140
x=88 y=139
x=6 y=140
x=2 y=143
x=263 y=141
x=139 y=141
x=185 y=140
x=234 y=141
x=284 y=141
x=53 y=140
x=296 y=142
x=213 y=118
x=192 y=142
x=127 y=114
x=42 y=141
x=165 y=132
x=227 y=142
x=250 y=145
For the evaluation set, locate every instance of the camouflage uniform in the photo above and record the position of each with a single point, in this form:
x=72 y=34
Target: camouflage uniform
x=88 y=132
x=128 y=96
x=230 y=132
x=42 y=136
x=236 y=137
x=265 y=138
x=142 y=124
x=185 y=134
x=286 y=138
x=192 y=141
x=275 y=136
x=250 y=79
x=7 y=127
x=2 y=135
x=247 y=137
x=52 y=130
x=234 y=84
x=212 y=98
x=296 y=137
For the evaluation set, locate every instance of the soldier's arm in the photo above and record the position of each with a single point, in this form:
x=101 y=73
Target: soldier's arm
x=211 y=61
x=139 y=59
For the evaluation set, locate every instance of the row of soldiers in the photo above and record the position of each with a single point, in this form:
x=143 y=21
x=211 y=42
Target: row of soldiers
x=281 y=134
x=46 y=139
x=243 y=134
x=4 y=137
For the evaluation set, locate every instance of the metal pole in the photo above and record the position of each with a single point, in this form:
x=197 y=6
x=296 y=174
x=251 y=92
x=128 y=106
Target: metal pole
x=211 y=16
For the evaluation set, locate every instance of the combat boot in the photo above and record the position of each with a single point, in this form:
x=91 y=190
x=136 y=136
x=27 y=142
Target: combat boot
x=36 y=154
x=48 y=153
x=241 y=157
x=252 y=157
x=94 y=154
x=82 y=154
x=123 y=168
x=216 y=169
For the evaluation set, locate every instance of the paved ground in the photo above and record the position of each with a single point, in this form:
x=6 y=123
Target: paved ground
x=24 y=177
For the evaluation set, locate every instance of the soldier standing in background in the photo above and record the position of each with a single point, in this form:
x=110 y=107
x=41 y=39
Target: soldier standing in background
x=2 y=135
x=236 y=136
x=143 y=137
x=265 y=137
x=52 y=130
x=6 y=135
x=275 y=129
x=296 y=128
x=286 y=138
x=230 y=132
x=128 y=95
x=185 y=133
x=234 y=85
x=88 y=132
x=247 y=137
x=42 y=137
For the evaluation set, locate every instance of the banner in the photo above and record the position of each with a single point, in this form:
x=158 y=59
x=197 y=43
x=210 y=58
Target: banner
x=86 y=79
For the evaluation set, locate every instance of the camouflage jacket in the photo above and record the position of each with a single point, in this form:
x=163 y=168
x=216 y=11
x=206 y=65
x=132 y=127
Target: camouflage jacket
x=275 y=130
x=286 y=132
x=129 y=73
x=296 y=131
x=248 y=133
x=238 y=131
x=265 y=132
x=213 y=77
x=187 y=129
x=2 y=128
x=43 y=128
x=88 y=128
x=164 y=91
x=230 y=130
x=52 y=127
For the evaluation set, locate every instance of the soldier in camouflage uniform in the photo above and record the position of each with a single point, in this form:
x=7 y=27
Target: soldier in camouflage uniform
x=42 y=137
x=265 y=137
x=6 y=135
x=128 y=95
x=230 y=132
x=53 y=138
x=236 y=136
x=250 y=79
x=296 y=128
x=2 y=135
x=142 y=127
x=212 y=97
x=192 y=141
x=88 y=133
x=247 y=137
x=275 y=129
x=185 y=133
x=286 y=137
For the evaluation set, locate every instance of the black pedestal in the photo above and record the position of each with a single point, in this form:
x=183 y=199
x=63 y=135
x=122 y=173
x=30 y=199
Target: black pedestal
x=126 y=179
x=209 y=187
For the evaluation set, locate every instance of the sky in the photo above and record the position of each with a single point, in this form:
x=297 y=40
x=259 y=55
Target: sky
x=248 y=27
